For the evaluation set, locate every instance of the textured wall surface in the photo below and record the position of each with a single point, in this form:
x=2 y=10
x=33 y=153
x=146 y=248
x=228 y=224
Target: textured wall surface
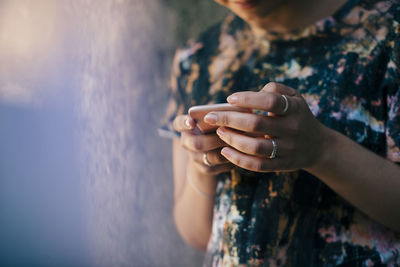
x=85 y=180
x=130 y=189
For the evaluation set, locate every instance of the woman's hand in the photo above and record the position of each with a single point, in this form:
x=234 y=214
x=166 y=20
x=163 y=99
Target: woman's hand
x=298 y=135
x=203 y=149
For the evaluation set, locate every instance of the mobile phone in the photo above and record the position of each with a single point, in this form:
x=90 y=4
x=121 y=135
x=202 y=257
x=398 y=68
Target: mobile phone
x=199 y=112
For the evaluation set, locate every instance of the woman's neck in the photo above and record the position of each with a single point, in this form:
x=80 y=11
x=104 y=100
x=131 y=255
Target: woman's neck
x=294 y=15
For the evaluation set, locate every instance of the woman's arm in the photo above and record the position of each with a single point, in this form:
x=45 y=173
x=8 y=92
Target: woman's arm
x=192 y=212
x=368 y=181
x=194 y=202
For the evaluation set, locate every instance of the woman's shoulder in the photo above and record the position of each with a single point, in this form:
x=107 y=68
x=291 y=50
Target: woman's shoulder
x=373 y=15
x=366 y=25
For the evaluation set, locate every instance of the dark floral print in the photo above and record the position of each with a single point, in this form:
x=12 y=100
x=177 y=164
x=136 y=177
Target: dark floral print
x=347 y=68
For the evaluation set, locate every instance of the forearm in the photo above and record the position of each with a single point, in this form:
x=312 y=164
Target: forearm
x=193 y=212
x=368 y=181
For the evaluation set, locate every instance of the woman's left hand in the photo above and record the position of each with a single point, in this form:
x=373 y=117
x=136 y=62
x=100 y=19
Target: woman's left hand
x=298 y=135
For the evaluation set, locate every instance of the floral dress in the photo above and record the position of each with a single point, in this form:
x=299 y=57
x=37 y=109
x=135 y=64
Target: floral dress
x=346 y=67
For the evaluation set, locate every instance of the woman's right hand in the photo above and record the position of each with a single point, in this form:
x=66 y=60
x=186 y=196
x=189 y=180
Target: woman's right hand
x=203 y=149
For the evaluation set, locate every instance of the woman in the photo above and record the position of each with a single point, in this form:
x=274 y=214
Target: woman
x=323 y=187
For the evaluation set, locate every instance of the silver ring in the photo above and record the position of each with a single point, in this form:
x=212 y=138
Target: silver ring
x=274 y=149
x=286 y=104
x=205 y=160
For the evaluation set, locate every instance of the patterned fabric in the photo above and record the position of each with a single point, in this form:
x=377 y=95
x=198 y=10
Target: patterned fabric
x=347 y=68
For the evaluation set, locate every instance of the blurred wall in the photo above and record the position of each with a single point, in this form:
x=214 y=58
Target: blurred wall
x=192 y=17
x=84 y=178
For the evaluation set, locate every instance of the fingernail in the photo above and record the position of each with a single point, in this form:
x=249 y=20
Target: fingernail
x=210 y=118
x=220 y=132
x=232 y=99
x=187 y=123
x=226 y=152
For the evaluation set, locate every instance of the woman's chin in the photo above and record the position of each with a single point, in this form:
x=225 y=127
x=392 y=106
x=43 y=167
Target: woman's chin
x=246 y=4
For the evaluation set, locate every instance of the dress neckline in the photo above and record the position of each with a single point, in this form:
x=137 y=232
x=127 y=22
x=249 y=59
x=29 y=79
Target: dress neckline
x=319 y=26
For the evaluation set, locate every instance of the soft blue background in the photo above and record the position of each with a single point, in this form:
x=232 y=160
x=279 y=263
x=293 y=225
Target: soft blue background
x=84 y=178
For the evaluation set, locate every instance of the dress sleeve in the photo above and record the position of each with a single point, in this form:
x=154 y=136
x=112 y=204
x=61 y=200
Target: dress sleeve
x=392 y=83
x=179 y=93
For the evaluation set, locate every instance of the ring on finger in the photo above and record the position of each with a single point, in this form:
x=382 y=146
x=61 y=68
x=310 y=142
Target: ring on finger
x=205 y=160
x=285 y=109
x=274 y=149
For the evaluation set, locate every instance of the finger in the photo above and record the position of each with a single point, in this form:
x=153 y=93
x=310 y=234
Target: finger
x=245 y=122
x=254 y=163
x=279 y=88
x=183 y=123
x=226 y=167
x=259 y=146
x=201 y=143
x=266 y=101
x=214 y=157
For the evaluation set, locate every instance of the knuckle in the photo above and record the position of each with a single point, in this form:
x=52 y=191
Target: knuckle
x=197 y=144
x=225 y=119
x=272 y=87
x=246 y=98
